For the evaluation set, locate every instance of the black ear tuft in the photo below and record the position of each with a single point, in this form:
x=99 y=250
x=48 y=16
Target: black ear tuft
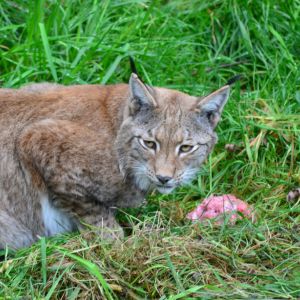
x=234 y=79
x=132 y=65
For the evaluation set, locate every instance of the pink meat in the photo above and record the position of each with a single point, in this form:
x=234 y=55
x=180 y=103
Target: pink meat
x=218 y=206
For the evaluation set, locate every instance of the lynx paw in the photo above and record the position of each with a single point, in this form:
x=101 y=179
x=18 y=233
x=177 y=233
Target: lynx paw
x=108 y=231
x=110 y=234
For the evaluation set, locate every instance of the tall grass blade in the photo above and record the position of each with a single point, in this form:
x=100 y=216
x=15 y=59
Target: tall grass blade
x=93 y=269
x=48 y=51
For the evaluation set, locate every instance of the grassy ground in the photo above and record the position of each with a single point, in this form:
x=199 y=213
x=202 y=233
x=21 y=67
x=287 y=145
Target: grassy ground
x=194 y=46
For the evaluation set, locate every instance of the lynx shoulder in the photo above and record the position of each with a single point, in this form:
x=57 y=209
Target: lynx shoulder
x=71 y=155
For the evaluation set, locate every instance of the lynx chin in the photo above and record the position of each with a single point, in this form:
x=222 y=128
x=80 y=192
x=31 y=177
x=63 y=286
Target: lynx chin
x=71 y=155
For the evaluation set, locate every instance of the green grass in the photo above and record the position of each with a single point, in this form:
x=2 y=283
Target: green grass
x=193 y=46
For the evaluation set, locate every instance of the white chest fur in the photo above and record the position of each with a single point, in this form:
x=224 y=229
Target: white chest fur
x=55 y=221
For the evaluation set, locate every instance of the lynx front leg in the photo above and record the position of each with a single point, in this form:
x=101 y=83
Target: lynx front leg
x=90 y=215
x=76 y=167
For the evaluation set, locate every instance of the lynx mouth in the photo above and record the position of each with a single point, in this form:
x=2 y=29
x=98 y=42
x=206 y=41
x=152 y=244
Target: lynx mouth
x=165 y=189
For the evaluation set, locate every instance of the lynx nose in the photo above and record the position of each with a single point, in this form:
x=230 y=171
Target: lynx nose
x=163 y=179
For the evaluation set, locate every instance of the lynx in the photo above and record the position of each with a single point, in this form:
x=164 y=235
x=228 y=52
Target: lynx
x=71 y=155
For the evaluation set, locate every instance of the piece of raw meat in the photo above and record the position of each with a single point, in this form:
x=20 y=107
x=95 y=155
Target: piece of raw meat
x=217 y=207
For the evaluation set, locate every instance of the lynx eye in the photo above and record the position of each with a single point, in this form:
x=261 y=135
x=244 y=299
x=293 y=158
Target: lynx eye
x=148 y=144
x=185 y=148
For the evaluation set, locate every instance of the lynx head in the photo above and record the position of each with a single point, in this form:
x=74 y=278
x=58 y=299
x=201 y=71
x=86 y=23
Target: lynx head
x=166 y=135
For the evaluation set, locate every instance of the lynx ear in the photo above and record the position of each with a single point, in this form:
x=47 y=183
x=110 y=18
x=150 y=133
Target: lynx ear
x=140 y=95
x=213 y=104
